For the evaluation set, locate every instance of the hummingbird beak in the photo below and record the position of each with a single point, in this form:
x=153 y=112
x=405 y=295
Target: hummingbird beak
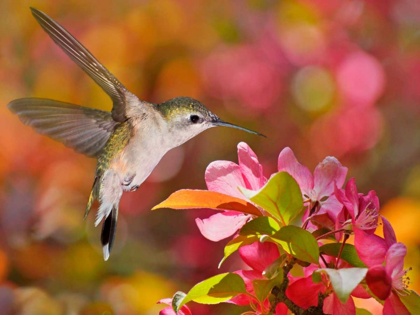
x=221 y=123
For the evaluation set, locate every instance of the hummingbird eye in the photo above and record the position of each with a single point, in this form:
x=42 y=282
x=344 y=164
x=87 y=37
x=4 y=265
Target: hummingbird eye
x=194 y=119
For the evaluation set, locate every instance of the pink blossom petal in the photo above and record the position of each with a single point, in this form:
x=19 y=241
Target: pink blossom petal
x=333 y=306
x=327 y=174
x=251 y=169
x=340 y=194
x=322 y=220
x=287 y=162
x=395 y=259
x=258 y=255
x=370 y=247
x=304 y=292
x=332 y=207
x=367 y=219
x=248 y=276
x=360 y=292
x=281 y=309
x=221 y=225
x=166 y=301
x=374 y=199
x=308 y=271
x=169 y=311
x=339 y=223
x=389 y=233
x=394 y=306
x=224 y=177
x=352 y=197
x=379 y=281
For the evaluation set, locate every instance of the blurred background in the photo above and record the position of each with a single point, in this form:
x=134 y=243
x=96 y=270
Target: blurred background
x=337 y=78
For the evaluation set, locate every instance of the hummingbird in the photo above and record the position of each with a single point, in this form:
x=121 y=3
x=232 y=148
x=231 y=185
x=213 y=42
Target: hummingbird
x=127 y=142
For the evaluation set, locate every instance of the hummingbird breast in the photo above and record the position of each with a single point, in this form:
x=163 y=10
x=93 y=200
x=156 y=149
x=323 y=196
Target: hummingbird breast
x=143 y=152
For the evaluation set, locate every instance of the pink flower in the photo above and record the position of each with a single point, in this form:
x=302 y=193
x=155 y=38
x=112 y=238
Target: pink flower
x=258 y=256
x=243 y=74
x=371 y=248
x=304 y=293
x=363 y=210
x=389 y=281
x=332 y=305
x=169 y=311
x=319 y=188
x=225 y=177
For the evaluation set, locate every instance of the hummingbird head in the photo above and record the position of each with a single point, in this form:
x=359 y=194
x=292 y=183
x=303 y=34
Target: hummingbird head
x=188 y=117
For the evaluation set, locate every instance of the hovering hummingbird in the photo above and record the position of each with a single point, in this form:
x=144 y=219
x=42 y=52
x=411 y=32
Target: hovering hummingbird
x=128 y=142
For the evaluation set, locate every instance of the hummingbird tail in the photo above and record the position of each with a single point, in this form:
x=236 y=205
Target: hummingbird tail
x=108 y=232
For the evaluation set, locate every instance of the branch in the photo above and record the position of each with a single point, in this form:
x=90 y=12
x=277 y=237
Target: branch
x=280 y=296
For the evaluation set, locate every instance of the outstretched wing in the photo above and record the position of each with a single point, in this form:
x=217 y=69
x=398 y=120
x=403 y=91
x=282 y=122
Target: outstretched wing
x=87 y=62
x=84 y=129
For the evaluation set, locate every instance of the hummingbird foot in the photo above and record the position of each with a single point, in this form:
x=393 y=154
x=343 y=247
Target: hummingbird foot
x=128 y=180
x=134 y=188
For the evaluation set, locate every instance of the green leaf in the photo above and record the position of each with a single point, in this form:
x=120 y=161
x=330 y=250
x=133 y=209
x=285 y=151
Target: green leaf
x=280 y=196
x=177 y=299
x=215 y=290
x=362 y=311
x=349 y=253
x=236 y=243
x=260 y=226
x=263 y=287
x=411 y=302
x=298 y=242
x=344 y=281
x=275 y=267
x=316 y=277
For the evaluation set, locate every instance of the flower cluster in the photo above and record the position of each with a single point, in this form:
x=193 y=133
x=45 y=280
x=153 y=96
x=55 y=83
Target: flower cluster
x=296 y=220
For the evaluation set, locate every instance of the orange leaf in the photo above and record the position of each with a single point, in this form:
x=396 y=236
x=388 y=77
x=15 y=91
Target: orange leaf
x=196 y=199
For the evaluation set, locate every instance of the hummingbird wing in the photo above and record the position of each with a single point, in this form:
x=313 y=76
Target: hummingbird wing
x=86 y=130
x=85 y=60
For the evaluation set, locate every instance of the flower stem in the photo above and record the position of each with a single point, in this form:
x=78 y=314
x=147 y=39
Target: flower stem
x=329 y=233
x=346 y=237
x=324 y=261
x=280 y=297
x=313 y=208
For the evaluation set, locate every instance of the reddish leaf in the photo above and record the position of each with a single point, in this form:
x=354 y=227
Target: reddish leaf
x=304 y=293
x=196 y=199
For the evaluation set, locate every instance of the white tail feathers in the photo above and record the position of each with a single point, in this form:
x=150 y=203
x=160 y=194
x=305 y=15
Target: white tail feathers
x=109 y=196
x=103 y=212
x=106 y=252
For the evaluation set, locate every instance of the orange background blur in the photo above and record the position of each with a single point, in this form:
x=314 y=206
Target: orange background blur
x=337 y=78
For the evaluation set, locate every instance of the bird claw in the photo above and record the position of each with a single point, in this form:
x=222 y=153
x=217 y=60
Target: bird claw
x=134 y=188
x=128 y=180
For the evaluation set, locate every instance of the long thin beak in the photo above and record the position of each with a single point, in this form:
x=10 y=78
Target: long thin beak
x=226 y=124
